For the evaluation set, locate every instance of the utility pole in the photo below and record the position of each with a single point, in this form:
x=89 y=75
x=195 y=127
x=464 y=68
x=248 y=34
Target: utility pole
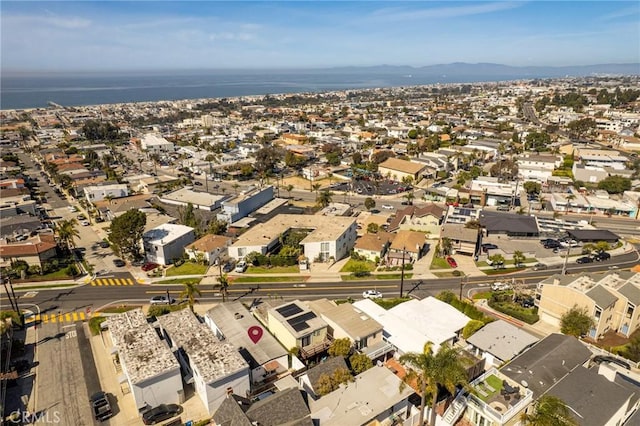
x=566 y=260
x=6 y=289
x=402 y=273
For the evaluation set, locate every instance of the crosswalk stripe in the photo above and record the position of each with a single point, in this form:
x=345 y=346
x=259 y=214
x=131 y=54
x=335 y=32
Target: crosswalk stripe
x=52 y=318
x=82 y=316
x=45 y=318
x=67 y=317
x=75 y=316
x=129 y=281
x=110 y=281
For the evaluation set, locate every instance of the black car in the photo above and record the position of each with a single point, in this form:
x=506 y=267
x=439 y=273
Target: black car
x=603 y=255
x=104 y=244
x=119 y=263
x=100 y=406
x=228 y=267
x=584 y=259
x=160 y=413
x=552 y=244
x=488 y=246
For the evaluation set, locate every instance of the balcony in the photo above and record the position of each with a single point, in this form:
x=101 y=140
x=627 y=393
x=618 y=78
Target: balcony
x=313 y=350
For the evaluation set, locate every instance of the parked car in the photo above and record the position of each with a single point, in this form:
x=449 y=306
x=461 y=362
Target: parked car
x=603 y=255
x=241 y=266
x=100 y=406
x=488 y=246
x=160 y=413
x=162 y=300
x=387 y=206
x=81 y=217
x=119 y=263
x=372 y=294
x=149 y=266
x=85 y=223
x=197 y=183
x=228 y=267
x=584 y=259
x=552 y=245
x=104 y=244
x=452 y=262
x=73 y=209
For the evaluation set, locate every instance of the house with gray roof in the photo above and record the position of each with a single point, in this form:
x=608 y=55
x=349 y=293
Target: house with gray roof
x=547 y=362
x=374 y=397
x=310 y=379
x=499 y=341
x=511 y=224
x=286 y=407
x=266 y=358
x=593 y=399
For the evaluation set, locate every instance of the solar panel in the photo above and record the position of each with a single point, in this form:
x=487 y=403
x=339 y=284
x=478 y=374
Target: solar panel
x=299 y=326
x=289 y=310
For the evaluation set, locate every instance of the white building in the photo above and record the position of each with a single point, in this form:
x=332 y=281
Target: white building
x=266 y=358
x=329 y=236
x=538 y=167
x=199 y=200
x=214 y=367
x=149 y=367
x=95 y=193
x=165 y=243
x=156 y=144
x=409 y=325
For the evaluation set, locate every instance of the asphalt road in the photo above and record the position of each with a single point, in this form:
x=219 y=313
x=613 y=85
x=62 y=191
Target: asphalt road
x=78 y=299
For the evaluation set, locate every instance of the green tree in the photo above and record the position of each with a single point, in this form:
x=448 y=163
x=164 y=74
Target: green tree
x=576 y=322
x=518 y=258
x=67 y=232
x=369 y=203
x=497 y=260
x=549 y=411
x=126 y=232
x=447 y=246
x=505 y=170
x=615 y=184
x=223 y=281
x=360 y=363
x=217 y=227
x=471 y=327
x=430 y=371
x=324 y=198
x=328 y=383
x=189 y=292
x=582 y=126
x=289 y=188
x=373 y=228
x=340 y=347
x=537 y=141
x=187 y=216
x=532 y=187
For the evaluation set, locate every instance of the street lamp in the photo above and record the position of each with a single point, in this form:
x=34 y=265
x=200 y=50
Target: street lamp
x=402 y=272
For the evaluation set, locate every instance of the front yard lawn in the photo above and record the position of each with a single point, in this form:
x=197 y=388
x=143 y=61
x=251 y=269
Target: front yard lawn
x=187 y=268
x=273 y=270
x=439 y=263
x=266 y=279
x=353 y=265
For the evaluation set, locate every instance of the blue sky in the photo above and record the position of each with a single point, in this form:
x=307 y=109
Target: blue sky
x=159 y=35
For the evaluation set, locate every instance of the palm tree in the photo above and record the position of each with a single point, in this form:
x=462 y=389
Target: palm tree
x=316 y=187
x=324 y=198
x=550 y=411
x=236 y=185
x=518 y=258
x=570 y=197
x=189 y=292
x=430 y=371
x=223 y=280
x=289 y=188
x=447 y=245
x=409 y=196
x=67 y=232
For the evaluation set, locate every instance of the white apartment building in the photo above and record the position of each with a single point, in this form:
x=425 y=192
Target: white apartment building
x=95 y=193
x=156 y=144
x=165 y=244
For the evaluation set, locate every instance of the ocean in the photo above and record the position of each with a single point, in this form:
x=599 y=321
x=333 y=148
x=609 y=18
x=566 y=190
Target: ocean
x=36 y=91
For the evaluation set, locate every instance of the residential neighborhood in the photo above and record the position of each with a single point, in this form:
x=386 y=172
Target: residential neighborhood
x=452 y=254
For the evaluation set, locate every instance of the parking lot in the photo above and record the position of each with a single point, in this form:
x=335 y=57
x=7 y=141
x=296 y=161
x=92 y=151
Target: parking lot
x=530 y=247
x=370 y=187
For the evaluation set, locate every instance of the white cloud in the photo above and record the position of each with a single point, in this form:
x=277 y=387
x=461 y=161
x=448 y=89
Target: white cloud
x=401 y=14
x=70 y=22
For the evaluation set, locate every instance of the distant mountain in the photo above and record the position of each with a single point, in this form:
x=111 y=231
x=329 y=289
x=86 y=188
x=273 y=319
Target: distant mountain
x=497 y=70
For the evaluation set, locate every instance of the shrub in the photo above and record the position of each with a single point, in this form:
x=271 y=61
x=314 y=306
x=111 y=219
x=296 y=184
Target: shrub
x=471 y=327
x=159 y=310
x=530 y=316
x=95 y=325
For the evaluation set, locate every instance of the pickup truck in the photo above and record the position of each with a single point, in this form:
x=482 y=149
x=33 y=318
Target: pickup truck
x=100 y=406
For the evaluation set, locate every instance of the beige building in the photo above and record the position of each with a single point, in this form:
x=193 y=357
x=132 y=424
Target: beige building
x=297 y=326
x=34 y=251
x=372 y=246
x=397 y=169
x=613 y=300
x=411 y=243
x=463 y=240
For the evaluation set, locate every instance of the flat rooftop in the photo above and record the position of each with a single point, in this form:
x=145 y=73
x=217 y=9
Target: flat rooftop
x=143 y=354
x=325 y=228
x=165 y=233
x=213 y=359
x=187 y=195
x=352 y=320
x=233 y=320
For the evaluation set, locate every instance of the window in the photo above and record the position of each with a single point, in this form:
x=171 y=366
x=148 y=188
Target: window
x=242 y=252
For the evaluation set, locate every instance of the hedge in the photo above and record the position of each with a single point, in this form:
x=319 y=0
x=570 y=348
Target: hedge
x=527 y=315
